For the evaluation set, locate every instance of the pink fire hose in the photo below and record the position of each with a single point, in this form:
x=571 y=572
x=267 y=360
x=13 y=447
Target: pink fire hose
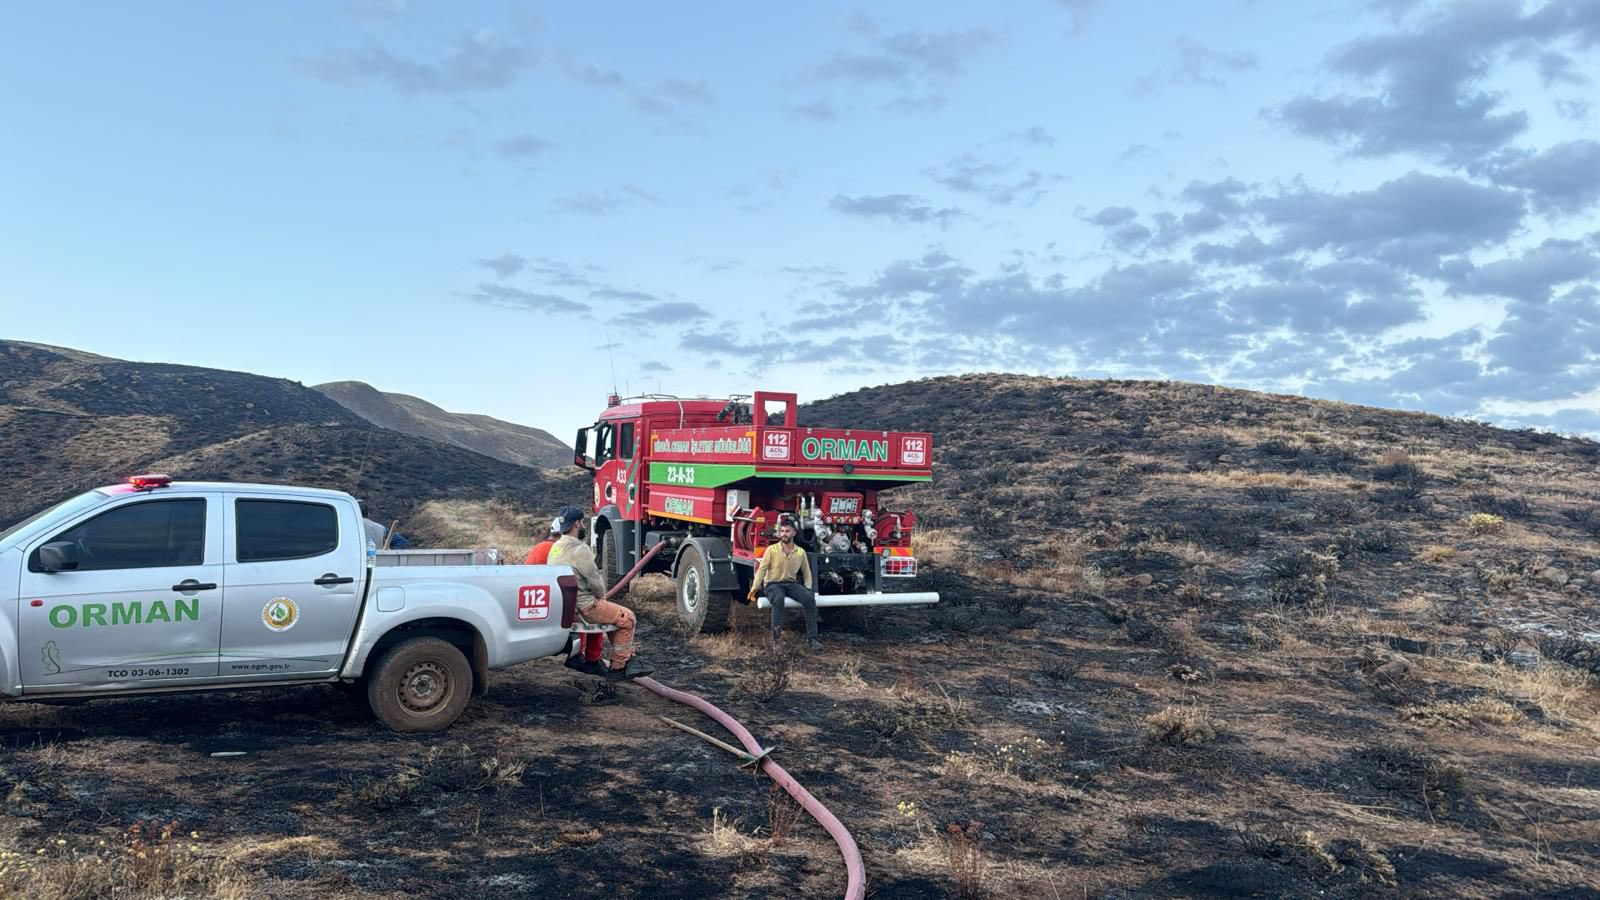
x=855 y=870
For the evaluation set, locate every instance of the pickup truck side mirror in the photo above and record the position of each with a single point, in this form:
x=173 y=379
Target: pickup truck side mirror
x=60 y=556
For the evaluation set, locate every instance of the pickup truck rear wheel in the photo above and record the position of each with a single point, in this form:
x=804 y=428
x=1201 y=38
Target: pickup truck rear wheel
x=421 y=684
x=699 y=607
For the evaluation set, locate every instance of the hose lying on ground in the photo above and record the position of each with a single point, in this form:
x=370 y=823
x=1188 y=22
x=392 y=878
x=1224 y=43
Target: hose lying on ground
x=855 y=887
x=855 y=870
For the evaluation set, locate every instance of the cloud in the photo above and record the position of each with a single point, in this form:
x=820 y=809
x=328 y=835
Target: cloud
x=915 y=106
x=945 y=53
x=996 y=182
x=816 y=111
x=506 y=297
x=563 y=274
x=1134 y=153
x=1038 y=136
x=603 y=203
x=899 y=207
x=1113 y=216
x=376 y=9
x=624 y=295
x=1430 y=98
x=1079 y=10
x=1410 y=221
x=1564 y=178
x=664 y=98
x=672 y=312
x=480 y=62
x=728 y=342
x=522 y=146
x=1532 y=276
x=504 y=266
x=654 y=367
x=905 y=57
x=1196 y=64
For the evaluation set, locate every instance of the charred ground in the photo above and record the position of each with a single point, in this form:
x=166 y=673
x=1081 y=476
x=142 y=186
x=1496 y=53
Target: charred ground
x=1195 y=642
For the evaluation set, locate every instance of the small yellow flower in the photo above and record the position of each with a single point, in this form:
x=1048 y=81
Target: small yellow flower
x=194 y=834
x=61 y=842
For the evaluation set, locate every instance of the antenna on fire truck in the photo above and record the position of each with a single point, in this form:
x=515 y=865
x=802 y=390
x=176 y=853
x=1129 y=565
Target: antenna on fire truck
x=611 y=355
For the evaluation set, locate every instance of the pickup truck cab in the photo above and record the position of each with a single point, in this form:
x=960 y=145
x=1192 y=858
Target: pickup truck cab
x=155 y=586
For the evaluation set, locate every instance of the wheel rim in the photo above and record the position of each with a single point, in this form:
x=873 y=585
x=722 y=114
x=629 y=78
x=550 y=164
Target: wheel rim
x=425 y=687
x=691 y=590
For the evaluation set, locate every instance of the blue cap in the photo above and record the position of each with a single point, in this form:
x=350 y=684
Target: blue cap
x=569 y=515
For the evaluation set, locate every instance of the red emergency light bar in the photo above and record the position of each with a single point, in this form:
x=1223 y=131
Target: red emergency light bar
x=150 y=482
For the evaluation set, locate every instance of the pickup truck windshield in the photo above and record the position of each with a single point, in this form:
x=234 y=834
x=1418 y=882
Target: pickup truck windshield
x=66 y=507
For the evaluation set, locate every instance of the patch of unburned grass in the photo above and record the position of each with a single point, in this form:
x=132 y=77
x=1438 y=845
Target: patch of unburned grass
x=1180 y=726
x=151 y=860
x=1477 y=711
x=1562 y=693
x=1434 y=554
x=916 y=713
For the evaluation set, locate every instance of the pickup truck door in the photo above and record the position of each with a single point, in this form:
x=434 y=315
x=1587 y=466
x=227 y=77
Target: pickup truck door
x=295 y=569
x=141 y=605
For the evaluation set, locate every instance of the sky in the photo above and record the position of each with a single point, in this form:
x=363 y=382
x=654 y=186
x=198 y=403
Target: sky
x=508 y=208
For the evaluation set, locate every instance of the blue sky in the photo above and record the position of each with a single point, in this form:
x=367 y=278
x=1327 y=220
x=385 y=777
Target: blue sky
x=1385 y=202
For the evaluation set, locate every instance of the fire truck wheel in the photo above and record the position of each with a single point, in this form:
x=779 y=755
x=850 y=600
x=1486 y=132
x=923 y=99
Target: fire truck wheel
x=608 y=563
x=699 y=607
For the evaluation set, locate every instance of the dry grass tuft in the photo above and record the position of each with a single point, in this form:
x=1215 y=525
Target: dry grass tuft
x=783 y=813
x=1480 y=524
x=154 y=860
x=917 y=713
x=966 y=855
x=1433 y=554
x=1180 y=726
x=1477 y=711
x=766 y=675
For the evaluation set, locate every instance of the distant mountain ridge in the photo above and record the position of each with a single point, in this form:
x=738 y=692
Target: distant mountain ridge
x=71 y=421
x=505 y=441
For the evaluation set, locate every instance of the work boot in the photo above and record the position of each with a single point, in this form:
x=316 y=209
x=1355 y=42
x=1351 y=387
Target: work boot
x=577 y=663
x=635 y=668
x=814 y=644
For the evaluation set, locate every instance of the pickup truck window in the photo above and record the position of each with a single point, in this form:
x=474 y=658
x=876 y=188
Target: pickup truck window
x=67 y=507
x=269 y=530
x=147 y=535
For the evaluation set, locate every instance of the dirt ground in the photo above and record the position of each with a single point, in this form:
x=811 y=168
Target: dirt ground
x=1101 y=758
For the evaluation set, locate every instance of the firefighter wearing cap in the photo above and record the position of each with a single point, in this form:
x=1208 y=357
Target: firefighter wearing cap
x=540 y=554
x=573 y=550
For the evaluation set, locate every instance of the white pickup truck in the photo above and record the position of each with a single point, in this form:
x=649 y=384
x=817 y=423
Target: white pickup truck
x=156 y=586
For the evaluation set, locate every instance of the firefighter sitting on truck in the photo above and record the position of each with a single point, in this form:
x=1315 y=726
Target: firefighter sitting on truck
x=573 y=550
x=786 y=573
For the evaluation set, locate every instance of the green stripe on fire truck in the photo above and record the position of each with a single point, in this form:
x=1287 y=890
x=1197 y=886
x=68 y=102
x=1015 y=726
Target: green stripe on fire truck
x=705 y=475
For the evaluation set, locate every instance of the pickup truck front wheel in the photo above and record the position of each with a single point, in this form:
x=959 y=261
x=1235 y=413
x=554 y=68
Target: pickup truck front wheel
x=421 y=684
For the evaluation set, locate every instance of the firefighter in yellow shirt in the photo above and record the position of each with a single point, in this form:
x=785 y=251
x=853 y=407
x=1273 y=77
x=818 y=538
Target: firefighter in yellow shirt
x=785 y=574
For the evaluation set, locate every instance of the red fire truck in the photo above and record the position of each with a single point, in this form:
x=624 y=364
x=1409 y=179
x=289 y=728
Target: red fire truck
x=711 y=479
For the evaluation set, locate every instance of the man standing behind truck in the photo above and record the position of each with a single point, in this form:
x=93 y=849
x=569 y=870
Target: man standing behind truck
x=786 y=573
x=573 y=550
x=540 y=554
